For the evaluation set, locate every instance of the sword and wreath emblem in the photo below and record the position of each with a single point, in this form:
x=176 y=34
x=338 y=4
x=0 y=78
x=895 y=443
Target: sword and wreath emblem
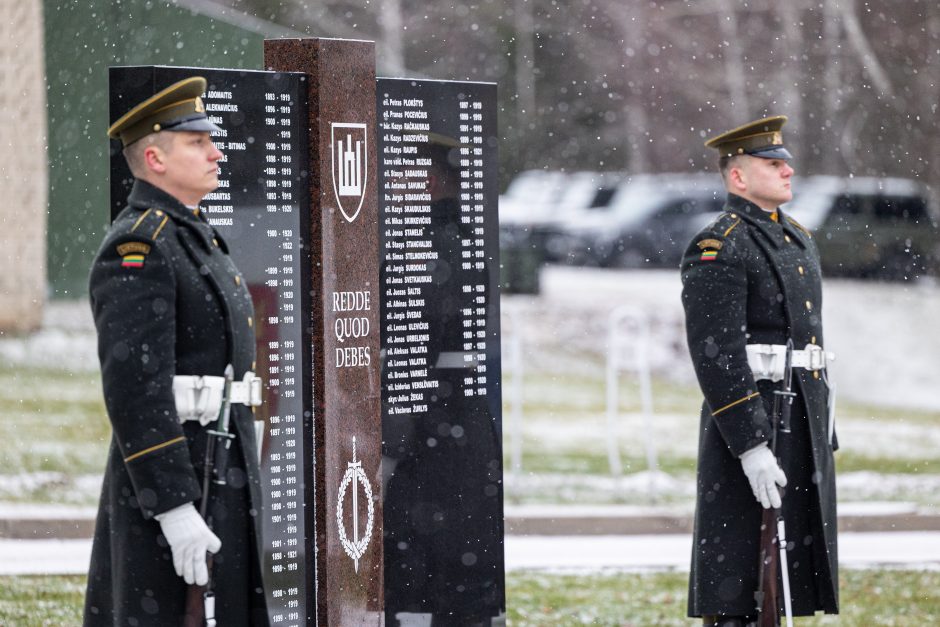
x=356 y=546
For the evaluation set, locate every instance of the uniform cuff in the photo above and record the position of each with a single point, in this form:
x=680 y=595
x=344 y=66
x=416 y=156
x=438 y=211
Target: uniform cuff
x=743 y=423
x=164 y=479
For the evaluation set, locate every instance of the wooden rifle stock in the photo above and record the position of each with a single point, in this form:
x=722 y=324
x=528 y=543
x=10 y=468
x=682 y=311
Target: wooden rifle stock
x=768 y=592
x=195 y=612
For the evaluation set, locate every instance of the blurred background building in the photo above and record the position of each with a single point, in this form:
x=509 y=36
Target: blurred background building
x=23 y=167
x=600 y=86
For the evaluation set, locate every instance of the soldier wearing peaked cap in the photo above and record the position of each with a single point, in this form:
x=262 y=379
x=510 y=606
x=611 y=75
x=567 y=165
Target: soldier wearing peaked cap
x=172 y=312
x=751 y=282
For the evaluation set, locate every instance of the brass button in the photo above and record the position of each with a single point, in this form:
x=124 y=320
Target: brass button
x=250 y=321
x=787 y=238
x=159 y=213
x=813 y=341
x=254 y=365
x=734 y=215
x=800 y=270
x=215 y=241
x=815 y=374
x=809 y=305
x=238 y=280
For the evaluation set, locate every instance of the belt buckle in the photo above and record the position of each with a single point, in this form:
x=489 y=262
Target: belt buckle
x=817 y=357
x=254 y=388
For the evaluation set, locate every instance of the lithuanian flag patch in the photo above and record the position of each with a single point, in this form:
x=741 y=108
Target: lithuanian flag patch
x=134 y=260
x=133 y=254
x=709 y=255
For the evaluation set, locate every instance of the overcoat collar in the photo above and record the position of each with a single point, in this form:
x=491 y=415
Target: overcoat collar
x=773 y=230
x=145 y=195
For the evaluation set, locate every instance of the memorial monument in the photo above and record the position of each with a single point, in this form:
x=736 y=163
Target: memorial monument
x=318 y=198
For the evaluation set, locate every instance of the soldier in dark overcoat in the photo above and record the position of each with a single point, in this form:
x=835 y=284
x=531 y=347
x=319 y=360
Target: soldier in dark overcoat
x=172 y=311
x=751 y=282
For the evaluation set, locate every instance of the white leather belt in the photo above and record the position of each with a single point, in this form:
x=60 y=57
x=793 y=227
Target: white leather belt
x=767 y=361
x=200 y=397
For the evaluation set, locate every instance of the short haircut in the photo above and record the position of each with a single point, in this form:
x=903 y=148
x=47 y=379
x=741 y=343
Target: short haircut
x=725 y=163
x=134 y=153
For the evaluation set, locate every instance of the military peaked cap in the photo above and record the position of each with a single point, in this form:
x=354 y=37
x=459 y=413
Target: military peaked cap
x=760 y=138
x=177 y=108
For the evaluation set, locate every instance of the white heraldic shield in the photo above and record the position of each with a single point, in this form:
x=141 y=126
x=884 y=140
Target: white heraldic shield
x=348 y=150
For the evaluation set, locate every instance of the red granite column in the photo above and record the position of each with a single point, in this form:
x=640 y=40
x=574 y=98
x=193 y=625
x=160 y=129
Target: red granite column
x=344 y=316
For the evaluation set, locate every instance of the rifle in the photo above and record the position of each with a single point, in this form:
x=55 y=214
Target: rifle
x=773 y=528
x=200 y=600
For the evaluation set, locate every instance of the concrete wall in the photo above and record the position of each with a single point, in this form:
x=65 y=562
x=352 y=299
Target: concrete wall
x=23 y=171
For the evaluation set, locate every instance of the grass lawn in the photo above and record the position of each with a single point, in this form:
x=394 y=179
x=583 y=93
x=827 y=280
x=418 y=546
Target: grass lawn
x=869 y=597
x=537 y=599
x=54 y=438
x=41 y=600
x=54 y=430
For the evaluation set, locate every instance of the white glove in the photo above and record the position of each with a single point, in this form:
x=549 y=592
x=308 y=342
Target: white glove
x=764 y=475
x=189 y=538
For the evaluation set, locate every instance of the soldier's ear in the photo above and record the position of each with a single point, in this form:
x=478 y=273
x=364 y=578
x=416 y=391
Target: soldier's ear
x=736 y=178
x=155 y=159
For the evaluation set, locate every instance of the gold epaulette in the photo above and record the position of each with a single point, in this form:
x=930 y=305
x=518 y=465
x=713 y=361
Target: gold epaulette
x=799 y=226
x=150 y=223
x=724 y=223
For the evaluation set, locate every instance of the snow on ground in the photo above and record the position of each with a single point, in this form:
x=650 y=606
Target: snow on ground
x=593 y=553
x=552 y=553
x=884 y=334
x=645 y=488
x=66 y=340
x=61 y=487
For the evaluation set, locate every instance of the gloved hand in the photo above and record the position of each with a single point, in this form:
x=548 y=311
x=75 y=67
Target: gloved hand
x=189 y=538
x=764 y=475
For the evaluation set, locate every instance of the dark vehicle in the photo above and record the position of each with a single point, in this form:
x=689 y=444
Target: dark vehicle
x=882 y=228
x=530 y=211
x=647 y=223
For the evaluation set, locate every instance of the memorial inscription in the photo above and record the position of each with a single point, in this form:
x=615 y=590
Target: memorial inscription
x=344 y=312
x=440 y=339
x=335 y=275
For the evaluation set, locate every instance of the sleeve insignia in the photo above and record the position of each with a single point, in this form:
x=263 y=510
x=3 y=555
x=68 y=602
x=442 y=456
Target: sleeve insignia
x=133 y=254
x=709 y=255
x=133 y=260
x=709 y=243
x=133 y=247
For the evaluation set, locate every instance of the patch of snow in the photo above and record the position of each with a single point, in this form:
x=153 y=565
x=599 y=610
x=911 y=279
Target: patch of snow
x=918 y=550
x=67 y=489
x=882 y=333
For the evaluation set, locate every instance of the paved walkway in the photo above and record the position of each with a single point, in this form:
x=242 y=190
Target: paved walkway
x=919 y=549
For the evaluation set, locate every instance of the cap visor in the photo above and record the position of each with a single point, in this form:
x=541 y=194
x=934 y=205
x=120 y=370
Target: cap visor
x=201 y=124
x=777 y=152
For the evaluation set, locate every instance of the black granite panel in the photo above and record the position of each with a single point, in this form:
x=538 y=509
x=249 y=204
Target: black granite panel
x=442 y=418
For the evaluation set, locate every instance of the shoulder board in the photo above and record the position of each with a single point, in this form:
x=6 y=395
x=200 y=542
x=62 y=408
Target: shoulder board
x=799 y=226
x=150 y=224
x=724 y=224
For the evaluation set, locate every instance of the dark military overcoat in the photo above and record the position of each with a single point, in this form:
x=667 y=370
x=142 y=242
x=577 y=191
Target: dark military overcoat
x=751 y=279
x=168 y=300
